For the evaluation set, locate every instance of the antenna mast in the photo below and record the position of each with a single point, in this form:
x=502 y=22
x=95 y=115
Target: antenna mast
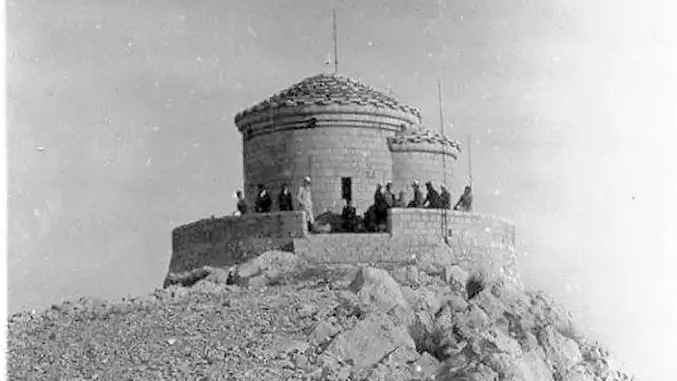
x=335 y=43
x=469 y=162
x=444 y=147
x=444 y=159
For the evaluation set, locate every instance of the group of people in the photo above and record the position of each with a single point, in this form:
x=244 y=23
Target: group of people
x=264 y=202
x=375 y=218
x=384 y=199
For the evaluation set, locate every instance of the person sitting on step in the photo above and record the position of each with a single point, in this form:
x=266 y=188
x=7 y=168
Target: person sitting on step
x=285 y=199
x=349 y=217
x=432 y=199
x=263 y=202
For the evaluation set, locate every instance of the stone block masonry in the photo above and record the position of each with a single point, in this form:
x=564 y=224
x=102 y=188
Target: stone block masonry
x=225 y=241
x=474 y=240
x=345 y=141
x=460 y=228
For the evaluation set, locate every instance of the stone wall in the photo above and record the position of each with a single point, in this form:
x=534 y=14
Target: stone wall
x=468 y=229
x=224 y=241
x=424 y=166
x=345 y=141
x=474 y=240
x=364 y=248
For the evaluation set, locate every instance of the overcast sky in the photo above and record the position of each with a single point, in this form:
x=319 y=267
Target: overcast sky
x=121 y=127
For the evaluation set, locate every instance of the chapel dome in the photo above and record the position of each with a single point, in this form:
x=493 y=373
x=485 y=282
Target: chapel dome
x=419 y=138
x=327 y=90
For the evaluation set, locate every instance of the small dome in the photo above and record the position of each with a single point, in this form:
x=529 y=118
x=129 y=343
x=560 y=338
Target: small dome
x=326 y=89
x=422 y=135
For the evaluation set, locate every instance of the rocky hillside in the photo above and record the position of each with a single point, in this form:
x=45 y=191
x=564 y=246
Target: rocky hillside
x=278 y=318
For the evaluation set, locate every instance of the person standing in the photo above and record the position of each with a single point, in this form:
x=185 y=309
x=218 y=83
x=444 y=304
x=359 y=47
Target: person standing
x=380 y=207
x=446 y=197
x=285 y=199
x=264 y=202
x=432 y=199
x=389 y=195
x=241 y=203
x=464 y=204
x=417 y=202
x=305 y=201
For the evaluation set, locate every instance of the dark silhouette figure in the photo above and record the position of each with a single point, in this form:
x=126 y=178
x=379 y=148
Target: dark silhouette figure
x=285 y=200
x=370 y=219
x=264 y=202
x=417 y=202
x=241 y=203
x=349 y=218
x=380 y=207
x=389 y=195
x=432 y=199
x=446 y=197
x=464 y=204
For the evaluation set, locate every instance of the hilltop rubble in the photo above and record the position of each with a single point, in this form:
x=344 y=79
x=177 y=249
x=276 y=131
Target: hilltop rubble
x=278 y=317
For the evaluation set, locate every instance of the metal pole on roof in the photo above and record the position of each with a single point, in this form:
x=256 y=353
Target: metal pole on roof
x=335 y=43
x=444 y=147
x=469 y=163
x=444 y=158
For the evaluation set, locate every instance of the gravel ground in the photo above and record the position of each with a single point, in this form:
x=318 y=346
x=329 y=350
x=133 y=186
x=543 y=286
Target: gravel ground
x=201 y=328
x=176 y=334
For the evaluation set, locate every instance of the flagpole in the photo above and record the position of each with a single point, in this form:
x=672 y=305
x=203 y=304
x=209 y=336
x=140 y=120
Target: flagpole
x=335 y=42
x=444 y=159
x=469 y=162
x=444 y=147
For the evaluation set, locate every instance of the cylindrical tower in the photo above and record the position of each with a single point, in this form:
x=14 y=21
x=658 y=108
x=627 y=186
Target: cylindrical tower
x=329 y=127
x=423 y=155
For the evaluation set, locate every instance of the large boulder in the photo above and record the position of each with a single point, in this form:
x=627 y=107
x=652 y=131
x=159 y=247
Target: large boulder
x=562 y=353
x=268 y=268
x=547 y=311
x=407 y=276
x=370 y=341
x=377 y=291
x=523 y=368
x=456 y=277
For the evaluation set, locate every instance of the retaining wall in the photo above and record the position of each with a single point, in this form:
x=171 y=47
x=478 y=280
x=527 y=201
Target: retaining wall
x=370 y=248
x=225 y=241
x=461 y=228
x=470 y=239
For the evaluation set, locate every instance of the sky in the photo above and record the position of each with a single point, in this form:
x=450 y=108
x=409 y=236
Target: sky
x=120 y=127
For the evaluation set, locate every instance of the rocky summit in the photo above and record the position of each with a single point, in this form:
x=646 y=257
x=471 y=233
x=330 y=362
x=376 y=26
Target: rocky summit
x=277 y=317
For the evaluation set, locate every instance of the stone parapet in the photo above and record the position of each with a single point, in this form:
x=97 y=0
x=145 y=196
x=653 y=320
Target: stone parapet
x=225 y=241
x=474 y=240
x=459 y=228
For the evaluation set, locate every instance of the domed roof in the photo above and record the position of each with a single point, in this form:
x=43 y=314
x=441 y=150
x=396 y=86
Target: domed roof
x=422 y=135
x=326 y=89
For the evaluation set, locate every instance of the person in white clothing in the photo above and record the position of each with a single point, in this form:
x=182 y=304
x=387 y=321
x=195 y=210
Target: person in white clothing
x=305 y=201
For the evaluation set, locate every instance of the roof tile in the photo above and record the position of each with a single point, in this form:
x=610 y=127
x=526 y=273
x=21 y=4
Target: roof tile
x=329 y=88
